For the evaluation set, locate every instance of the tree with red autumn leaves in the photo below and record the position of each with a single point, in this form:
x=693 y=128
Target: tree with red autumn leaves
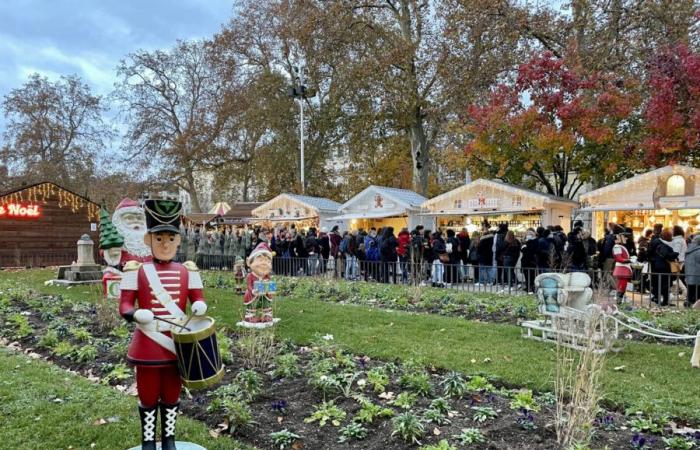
x=672 y=113
x=556 y=126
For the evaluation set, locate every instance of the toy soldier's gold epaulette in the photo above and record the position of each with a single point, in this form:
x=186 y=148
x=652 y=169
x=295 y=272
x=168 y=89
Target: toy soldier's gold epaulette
x=130 y=266
x=191 y=266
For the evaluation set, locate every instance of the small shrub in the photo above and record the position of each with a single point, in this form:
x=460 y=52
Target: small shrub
x=678 y=443
x=257 y=348
x=20 y=325
x=405 y=400
x=479 y=384
x=284 y=439
x=470 y=436
x=378 y=379
x=237 y=413
x=80 y=334
x=225 y=346
x=85 y=353
x=441 y=404
x=49 y=340
x=118 y=372
x=442 y=445
x=653 y=425
x=409 y=427
x=353 y=431
x=524 y=400
x=286 y=366
x=418 y=382
x=370 y=411
x=483 y=413
x=454 y=385
x=436 y=416
x=250 y=382
x=327 y=412
x=64 y=349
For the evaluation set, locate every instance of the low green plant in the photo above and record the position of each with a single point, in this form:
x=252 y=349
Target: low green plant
x=436 y=416
x=370 y=411
x=378 y=379
x=231 y=391
x=238 y=414
x=327 y=412
x=49 y=340
x=454 y=385
x=479 y=384
x=418 y=382
x=470 y=436
x=483 y=413
x=405 y=400
x=678 y=443
x=442 y=445
x=250 y=382
x=352 y=431
x=20 y=325
x=80 y=334
x=547 y=398
x=121 y=331
x=118 y=372
x=64 y=349
x=225 y=347
x=85 y=353
x=441 y=404
x=653 y=425
x=523 y=399
x=286 y=366
x=409 y=427
x=284 y=439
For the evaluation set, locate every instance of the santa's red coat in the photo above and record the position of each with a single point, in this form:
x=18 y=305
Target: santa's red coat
x=182 y=286
x=622 y=258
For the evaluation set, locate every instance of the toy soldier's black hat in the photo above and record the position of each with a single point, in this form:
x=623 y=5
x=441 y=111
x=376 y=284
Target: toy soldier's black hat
x=162 y=215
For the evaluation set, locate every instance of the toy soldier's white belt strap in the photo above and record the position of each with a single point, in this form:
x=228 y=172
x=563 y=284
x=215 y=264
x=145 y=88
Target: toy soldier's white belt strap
x=157 y=337
x=160 y=293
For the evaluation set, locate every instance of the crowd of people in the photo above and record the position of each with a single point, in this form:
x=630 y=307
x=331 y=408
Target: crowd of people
x=664 y=257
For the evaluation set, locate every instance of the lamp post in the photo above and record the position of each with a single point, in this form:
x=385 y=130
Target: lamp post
x=299 y=91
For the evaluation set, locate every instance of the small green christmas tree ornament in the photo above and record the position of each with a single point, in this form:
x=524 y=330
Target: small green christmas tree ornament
x=109 y=236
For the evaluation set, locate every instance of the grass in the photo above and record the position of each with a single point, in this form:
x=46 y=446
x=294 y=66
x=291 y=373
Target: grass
x=42 y=407
x=650 y=376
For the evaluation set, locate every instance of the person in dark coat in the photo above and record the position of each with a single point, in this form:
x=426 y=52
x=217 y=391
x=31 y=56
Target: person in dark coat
x=388 y=245
x=545 y=250
x=499 y=248
x=452 y=247
x=511 y=255
x=661 y=254
x=528 y=262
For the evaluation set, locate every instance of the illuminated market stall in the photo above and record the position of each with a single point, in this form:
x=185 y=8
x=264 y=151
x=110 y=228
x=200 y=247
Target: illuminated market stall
x=669 y=195
x=378 y=206
x=471 y=205
x=40 y=225
x=301 y=210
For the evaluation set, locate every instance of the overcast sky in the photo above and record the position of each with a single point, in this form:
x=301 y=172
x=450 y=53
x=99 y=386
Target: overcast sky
x=89 y=37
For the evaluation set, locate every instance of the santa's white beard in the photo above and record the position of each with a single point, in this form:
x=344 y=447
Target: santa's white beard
x=133 y=239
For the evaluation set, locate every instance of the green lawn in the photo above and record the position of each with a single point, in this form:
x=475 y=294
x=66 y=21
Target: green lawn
x=653 y=374
x=44 y=407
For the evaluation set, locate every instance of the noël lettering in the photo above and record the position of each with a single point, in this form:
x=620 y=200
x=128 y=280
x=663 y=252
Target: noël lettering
x=19 y=210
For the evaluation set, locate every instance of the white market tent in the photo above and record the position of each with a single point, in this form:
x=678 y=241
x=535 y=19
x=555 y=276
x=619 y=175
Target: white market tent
x=382 y=206
x=496 y=202
x=303 y=210
x=668 y=195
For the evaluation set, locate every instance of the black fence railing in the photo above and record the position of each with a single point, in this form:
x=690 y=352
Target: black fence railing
x=644 y=289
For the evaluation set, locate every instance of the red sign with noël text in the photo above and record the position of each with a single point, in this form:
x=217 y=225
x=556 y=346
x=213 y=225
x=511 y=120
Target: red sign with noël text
x=19 y=210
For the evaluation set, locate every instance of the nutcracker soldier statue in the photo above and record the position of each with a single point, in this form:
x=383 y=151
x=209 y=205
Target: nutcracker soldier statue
x=154 y=295
x=239 y=274
x=622 y=271
x=260 y=290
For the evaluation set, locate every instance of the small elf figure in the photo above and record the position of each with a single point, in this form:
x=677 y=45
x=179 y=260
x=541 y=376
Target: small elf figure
x=622 y=272
x=239 y=274
x=259 y=289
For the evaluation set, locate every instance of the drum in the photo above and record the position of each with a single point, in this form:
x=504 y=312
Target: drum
x=197 y=353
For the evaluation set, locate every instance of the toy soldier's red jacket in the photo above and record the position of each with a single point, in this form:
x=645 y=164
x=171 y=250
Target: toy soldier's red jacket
x=182 y=283
x=622 y=262
x=250 y=281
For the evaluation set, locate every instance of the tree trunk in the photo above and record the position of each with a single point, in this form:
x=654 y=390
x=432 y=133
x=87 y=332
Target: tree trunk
x=420 y=157
x=191 y=189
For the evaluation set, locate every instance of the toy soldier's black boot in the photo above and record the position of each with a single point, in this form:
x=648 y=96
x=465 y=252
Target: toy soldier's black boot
x=168 y=418
x=148 y=417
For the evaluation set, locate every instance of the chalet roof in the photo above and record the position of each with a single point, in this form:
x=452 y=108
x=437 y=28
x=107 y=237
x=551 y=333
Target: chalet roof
x=407 y=199
x=23 y=188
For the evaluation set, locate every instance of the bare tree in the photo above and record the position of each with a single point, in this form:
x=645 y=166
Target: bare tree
x=54 y=131
x=177 y=108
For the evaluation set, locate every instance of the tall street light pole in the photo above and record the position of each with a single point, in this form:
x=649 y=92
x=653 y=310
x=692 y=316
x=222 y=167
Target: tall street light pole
x=299 y=91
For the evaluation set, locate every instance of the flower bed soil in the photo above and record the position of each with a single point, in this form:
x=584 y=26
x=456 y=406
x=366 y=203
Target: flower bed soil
x=503 y=432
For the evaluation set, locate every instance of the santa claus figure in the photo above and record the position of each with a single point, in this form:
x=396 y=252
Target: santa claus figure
x=154 y=295
x=622 y=272
x=130 y=221
x=260 y=290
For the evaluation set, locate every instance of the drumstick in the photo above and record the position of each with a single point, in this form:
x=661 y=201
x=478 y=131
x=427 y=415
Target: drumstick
x=186 y=322
x=173 y=323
